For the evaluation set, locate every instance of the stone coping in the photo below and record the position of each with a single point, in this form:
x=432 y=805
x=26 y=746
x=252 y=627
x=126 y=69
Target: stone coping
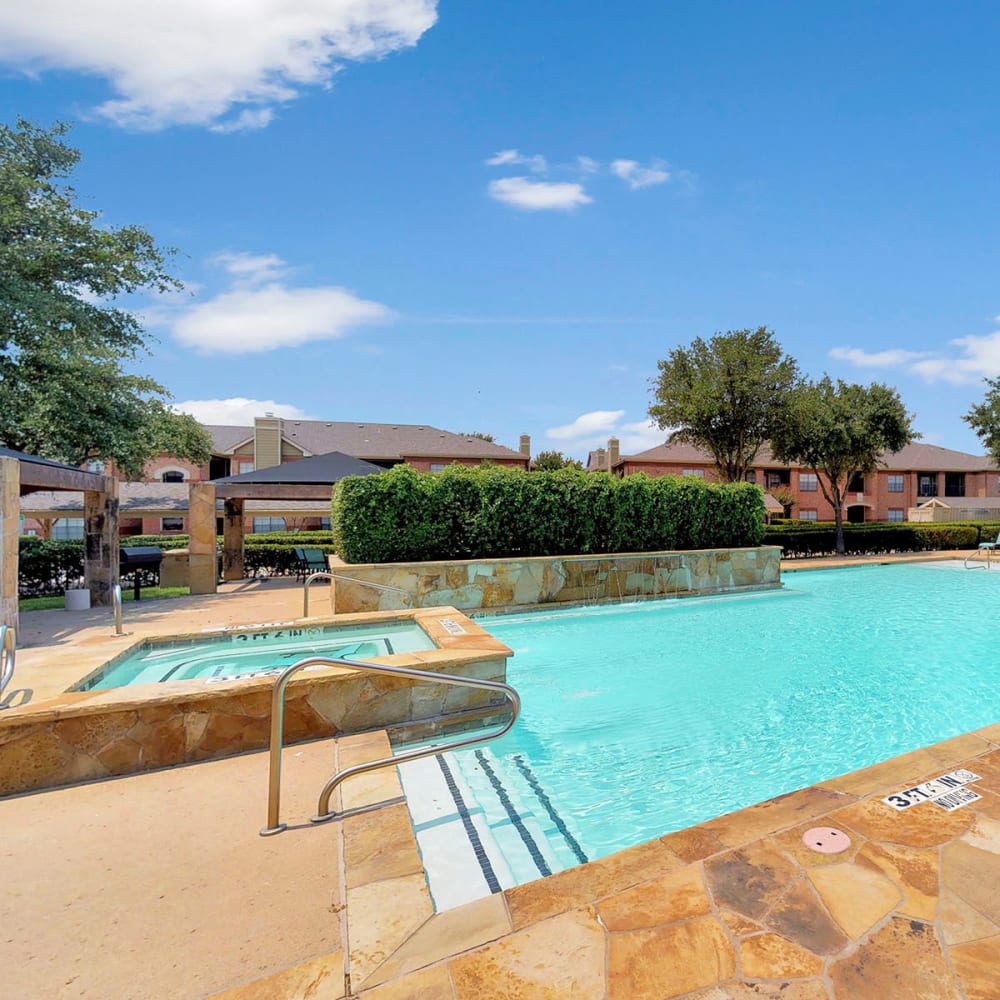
x=467 y=647
x=736 y=908
x=570 y=557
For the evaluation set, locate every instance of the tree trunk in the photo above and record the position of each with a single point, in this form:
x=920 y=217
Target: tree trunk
x=838 y=517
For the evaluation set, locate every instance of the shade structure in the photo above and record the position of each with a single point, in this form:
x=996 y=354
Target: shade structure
x=319 y=469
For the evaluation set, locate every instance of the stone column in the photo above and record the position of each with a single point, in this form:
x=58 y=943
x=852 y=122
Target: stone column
x=10 y=531
x=232 y=540
x=202 y=558
x=100 y=541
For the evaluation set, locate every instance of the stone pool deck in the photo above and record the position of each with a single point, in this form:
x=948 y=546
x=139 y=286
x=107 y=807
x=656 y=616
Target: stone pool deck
x=158 y=885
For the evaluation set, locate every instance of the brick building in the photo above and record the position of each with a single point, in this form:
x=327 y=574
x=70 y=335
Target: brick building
x=905 y=479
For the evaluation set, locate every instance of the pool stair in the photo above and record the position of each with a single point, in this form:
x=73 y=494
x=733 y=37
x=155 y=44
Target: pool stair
x=484 y=823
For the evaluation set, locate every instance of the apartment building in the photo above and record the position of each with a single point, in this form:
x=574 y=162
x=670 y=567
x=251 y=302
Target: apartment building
x=905 y=480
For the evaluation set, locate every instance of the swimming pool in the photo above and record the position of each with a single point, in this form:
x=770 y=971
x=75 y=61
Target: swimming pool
x=247 y=652
x=642 y=719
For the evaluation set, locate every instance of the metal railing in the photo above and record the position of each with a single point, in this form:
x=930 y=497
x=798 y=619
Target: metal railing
x=8 y=649
x=323 y=813
x=116 y=600
x=322 y=574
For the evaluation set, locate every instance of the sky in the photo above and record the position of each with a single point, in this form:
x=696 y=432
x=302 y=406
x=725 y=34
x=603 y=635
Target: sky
x=499 y=217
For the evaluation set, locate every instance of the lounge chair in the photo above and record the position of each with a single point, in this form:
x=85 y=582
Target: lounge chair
x=989 y=548
x=310 y=561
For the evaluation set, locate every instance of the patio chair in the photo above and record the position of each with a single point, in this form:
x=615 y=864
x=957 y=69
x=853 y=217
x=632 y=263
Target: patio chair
x=989 y=548
x=310 y=561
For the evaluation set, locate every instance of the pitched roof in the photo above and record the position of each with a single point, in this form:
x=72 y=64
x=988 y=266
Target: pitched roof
x=374 y=442
x=328 y=468
x=912 y=457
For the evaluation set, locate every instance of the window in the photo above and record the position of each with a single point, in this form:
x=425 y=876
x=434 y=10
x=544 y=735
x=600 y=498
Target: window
x=262 y=524
x=807 y=515
x=954 y=484
x=68 y=527
x=437 y=466
x=777 y=477
x=857 y=483
x=171 y=523
x=896 y=514
x=751 y=477
x=927 y=484
x=324 y=524
x=700 y=473
x=807 y=482
x=246 y=467
x=173 y=476
x=95 y=465
x=895 y=485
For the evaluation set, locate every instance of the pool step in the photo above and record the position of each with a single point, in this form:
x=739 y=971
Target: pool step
x=482 y=825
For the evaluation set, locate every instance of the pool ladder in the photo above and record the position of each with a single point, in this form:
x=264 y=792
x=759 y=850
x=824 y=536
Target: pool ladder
x=323 y=811
x=322 y=574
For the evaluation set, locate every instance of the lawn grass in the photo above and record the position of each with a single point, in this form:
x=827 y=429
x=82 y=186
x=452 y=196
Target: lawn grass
x=148 y=593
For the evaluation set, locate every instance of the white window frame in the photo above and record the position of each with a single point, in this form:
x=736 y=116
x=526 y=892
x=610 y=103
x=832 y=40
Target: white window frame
x=892 y=479
x=255 y=530
x=896 y=520
x=178 y=527
x=808 y=482
x=808 y=515
x=700 y=473
x=68 y=527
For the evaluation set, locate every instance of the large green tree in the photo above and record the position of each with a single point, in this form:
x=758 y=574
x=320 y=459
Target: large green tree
x=837 y=430
x=984 y=419
x=553 y=461
x=67 y=343
x=724 y=396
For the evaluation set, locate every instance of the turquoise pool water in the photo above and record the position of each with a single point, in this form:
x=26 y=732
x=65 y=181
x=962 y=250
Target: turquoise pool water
x=642 y=719
x=241 y=652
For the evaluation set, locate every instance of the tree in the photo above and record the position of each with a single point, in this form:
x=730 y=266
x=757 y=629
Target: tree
x=984 y=419
x=552 y=461
x=64 y=339
x=839 y=430
x=479 y=434
x=724 y=396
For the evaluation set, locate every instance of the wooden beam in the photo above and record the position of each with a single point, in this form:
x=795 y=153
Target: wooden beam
x=53 y=477
x=274 y=491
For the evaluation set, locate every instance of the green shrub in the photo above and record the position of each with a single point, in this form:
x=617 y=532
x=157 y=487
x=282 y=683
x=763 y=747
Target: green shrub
x=48 y=566
x=807 y=538
x=492 y=512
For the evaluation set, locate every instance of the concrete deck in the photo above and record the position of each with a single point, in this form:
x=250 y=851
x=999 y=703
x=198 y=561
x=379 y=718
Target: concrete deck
x=157 y=885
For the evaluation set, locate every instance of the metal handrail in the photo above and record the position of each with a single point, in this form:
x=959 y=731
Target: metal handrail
x=116 y=600
x=8 y=649
x=349 y=579
x=323 y=813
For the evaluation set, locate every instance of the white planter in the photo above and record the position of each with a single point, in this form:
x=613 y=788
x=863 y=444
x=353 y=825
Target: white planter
x=77 y=600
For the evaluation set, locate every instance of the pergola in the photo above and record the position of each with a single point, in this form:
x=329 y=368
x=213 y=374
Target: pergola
x=21 y=474
x=308 y=479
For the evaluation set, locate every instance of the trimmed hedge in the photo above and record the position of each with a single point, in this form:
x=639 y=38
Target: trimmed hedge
x=490 y=512
x=48 y=566
x=820 y=538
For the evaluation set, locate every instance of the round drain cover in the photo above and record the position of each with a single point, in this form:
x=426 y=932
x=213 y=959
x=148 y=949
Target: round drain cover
x=826 y=840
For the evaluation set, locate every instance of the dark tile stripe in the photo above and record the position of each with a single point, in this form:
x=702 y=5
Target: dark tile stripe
x=501 y=792
x=470 y=831
x=550 y=809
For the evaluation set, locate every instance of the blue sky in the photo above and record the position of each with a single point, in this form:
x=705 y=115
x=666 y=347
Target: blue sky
x=498 y=217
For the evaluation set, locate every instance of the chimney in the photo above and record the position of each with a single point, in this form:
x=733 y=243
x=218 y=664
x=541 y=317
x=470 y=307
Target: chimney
x=267 y=434
x=612 y=453
x=525 y=445
x=601 y=459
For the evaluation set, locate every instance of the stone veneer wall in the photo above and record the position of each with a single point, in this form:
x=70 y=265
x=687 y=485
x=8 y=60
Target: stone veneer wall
x=88 y=735
x=511 y=584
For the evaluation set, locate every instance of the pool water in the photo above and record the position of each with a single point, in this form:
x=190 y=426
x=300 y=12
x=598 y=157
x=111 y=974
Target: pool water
x=642 y=719
x=245 y=652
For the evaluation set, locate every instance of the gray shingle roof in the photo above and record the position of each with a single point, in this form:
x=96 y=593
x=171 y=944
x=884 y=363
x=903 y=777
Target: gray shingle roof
x=912 y=457
x=373 y=442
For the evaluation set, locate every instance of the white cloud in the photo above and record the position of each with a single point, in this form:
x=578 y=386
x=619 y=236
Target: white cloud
x=977 y=357
x=533 y=196
x=893 y=358
x=261 y=312
x=205 y=62
x=238 y=410
x=511 y=157
x=273 y=316
x=586 y=165
x=637 y=176
x=251 y=268
x=587 y=425
x=592 y=430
